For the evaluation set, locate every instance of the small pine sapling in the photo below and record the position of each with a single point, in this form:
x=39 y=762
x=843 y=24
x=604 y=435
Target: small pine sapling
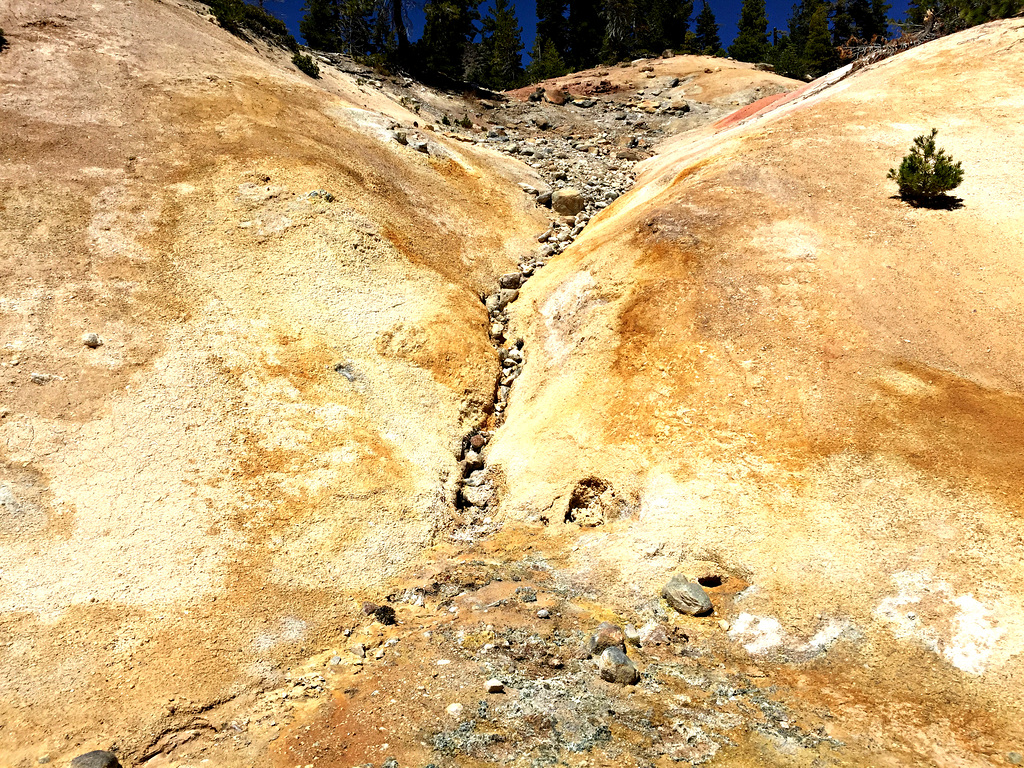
x=307 y=64
x=927 y=173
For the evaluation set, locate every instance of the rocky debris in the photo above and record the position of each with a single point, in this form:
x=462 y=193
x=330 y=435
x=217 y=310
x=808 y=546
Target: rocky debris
x=616 y=667
x=320 y=194
x=686 y=596
x=92 y=340
x=495 y=686
x=526 y=594
x=454 y=710
x=567 y=201
x=607 y=635
x=359 y=650
x=96 y=759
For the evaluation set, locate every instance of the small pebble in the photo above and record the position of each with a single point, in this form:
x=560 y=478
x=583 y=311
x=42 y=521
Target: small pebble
x=455 y=710
x=543 y=613
x=495 y=686
x=92 y=340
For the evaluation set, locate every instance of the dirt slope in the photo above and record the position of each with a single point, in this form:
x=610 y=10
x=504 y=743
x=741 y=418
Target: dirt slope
x=756 y=367
x=773 y=370
x=271 y=422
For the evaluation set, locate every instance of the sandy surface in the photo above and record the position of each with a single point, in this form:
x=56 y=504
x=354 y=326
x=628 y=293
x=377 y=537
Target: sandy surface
x=775 y=376
x=812 y=385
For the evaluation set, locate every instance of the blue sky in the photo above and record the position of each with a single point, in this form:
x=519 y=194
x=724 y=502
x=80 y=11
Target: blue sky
x=727 y=12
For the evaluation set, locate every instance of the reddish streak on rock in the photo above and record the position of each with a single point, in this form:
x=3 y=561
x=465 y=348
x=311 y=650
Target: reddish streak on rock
x=767 y=104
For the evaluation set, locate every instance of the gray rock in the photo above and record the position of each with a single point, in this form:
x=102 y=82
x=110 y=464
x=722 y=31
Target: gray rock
x=497 y=330
x=96 y=759
x=616 y=667
x=474 y=460
x=607 y=635
x=543 y=613
x=476 y=478
x=420 y=146
x=92 y=340
x=686 y=596
x=510 y=280
x=478 y=495
x=567 y=201
x=545 y=198
x=505 y=297
x=401 y=137
x=359 y=650
x=1015 y=758
x=495 y=686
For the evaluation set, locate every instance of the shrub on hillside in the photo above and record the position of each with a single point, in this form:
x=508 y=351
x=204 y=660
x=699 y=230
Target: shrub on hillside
x=237 y=15
x=927 y=173
x=307 y=64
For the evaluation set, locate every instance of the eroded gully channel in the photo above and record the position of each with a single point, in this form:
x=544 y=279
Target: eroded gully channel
x=476 y=491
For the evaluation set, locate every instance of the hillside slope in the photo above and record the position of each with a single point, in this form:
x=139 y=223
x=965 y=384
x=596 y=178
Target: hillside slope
x=771 y=370
x=272 y=420
x=757 y=368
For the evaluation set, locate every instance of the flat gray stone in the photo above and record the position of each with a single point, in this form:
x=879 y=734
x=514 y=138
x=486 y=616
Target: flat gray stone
x=686 y=596
x=96 y=759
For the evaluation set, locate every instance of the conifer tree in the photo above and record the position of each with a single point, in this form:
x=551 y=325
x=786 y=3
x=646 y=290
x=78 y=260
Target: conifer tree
x=320 y=25
x=868 y=18
x=586 y=33
x=707 y=42
x=842 y=22
x=819 y=55
x=502 y=46
x=619 y=31
x=546 y=61
x=552 y=24
x=448 y=27
x=661 y=24
x=751 y=43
